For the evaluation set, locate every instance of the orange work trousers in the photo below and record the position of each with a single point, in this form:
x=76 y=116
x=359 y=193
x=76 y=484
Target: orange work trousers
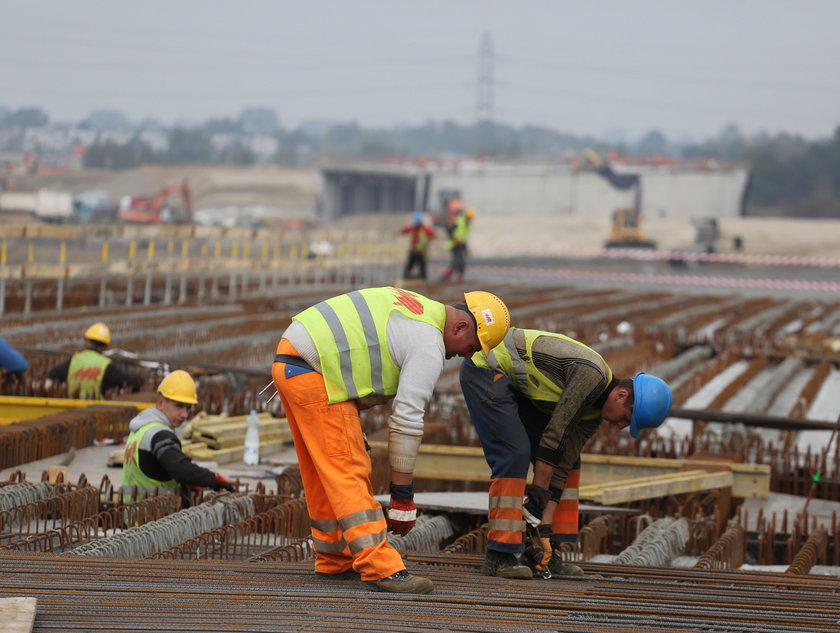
x=348 y=526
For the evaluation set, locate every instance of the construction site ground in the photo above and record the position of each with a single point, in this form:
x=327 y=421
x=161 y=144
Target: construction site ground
x=755 y=340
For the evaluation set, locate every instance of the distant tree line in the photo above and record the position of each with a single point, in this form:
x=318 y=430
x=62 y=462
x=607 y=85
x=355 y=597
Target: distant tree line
x=789 y=175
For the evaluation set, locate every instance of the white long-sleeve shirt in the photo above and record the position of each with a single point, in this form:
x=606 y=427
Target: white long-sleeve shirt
x=417 y=349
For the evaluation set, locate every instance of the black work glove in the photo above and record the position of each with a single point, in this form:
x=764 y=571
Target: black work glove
x=223 y=484
x=536 y=498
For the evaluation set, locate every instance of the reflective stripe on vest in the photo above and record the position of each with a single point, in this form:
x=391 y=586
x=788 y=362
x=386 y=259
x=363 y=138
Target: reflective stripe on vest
x=132 y=475
x=84 y=376
x=529 y=380
x=350 y=334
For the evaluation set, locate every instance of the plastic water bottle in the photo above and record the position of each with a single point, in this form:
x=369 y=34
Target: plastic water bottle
x=251 y=456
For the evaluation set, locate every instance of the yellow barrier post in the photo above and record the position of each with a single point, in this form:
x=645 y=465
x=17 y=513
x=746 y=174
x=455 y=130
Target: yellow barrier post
x=217 y=250
x=105 y=252
x=264 y=253
x=30 y=252
x=132 y=249
x=150 y=254
x=4 y=252
x=185 y=249
x=62 y=253
x=234 y=249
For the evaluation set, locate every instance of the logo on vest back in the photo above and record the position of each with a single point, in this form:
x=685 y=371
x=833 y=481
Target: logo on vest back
x=408 y=301
x=87 y=373
x=128 y=456
x=488 y=317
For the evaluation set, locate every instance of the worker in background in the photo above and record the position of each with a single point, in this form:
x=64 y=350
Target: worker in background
x=153 y=456
x=89 y=374
x=349 y=353
x=420 y=236
x=459 y=232
x=536 y=399
x=10 y=359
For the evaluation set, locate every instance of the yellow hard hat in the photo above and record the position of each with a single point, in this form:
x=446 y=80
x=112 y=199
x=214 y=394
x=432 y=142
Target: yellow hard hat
x=178 y=386
x=470 y=213
x=100 y=333
x=491 y=316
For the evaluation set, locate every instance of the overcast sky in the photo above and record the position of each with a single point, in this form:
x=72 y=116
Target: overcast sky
x=587 y=67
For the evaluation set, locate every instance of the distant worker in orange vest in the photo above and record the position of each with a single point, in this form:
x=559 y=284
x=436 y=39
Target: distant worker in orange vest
x=418 y=247
x=536 y=398
x=89 y=374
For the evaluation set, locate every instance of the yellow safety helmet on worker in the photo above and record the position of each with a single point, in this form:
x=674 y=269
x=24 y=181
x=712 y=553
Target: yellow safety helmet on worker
x=99 y=333
x=178 y=386
x=492 y=318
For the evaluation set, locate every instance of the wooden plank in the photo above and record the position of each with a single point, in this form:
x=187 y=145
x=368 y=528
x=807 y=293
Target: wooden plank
x=467 y=463
x=751 y=481
x=655 y=487
x=228 y=455
x=17 y=614
x=239 y=440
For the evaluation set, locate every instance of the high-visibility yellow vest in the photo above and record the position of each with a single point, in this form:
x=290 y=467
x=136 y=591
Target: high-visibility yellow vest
x=528 y=380
x=132 y=475
x=350 y=334
x=461 y=231
x=84 y=376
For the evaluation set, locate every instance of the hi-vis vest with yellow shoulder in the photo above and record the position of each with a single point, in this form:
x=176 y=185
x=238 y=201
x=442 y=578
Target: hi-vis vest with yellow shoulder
x=529 y=380
x=85 y=374
x=349 y=332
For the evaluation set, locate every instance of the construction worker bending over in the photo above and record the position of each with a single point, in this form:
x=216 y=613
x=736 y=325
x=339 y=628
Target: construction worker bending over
x=153 y=456
x=537 y=398
x=348 y=353
x=89 y=374
x=418 y=247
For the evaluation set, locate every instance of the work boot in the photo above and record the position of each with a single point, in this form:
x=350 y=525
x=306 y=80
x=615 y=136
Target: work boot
x=347 y=574
x=401 y=582
x=558 y=568
x=504 y=565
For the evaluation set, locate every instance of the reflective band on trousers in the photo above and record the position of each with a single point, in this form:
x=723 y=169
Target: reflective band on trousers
x=350 y=521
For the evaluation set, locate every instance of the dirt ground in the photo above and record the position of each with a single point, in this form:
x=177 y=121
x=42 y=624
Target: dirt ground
x=293 y=192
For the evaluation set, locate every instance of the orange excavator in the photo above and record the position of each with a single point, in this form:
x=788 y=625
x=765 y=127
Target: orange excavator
x=155 y=210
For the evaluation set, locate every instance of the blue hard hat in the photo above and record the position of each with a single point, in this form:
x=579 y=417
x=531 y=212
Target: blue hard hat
x=651 y=402
x=418 y=217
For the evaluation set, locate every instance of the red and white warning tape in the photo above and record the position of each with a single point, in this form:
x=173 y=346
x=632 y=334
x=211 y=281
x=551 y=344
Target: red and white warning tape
x=685 y=280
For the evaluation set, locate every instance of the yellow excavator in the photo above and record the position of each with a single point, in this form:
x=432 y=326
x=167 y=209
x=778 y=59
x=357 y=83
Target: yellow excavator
x=626 y=230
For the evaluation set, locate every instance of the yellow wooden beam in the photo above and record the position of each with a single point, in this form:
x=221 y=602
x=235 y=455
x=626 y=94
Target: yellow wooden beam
x=18 y=408
x=466 y=463
x=654 y=487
